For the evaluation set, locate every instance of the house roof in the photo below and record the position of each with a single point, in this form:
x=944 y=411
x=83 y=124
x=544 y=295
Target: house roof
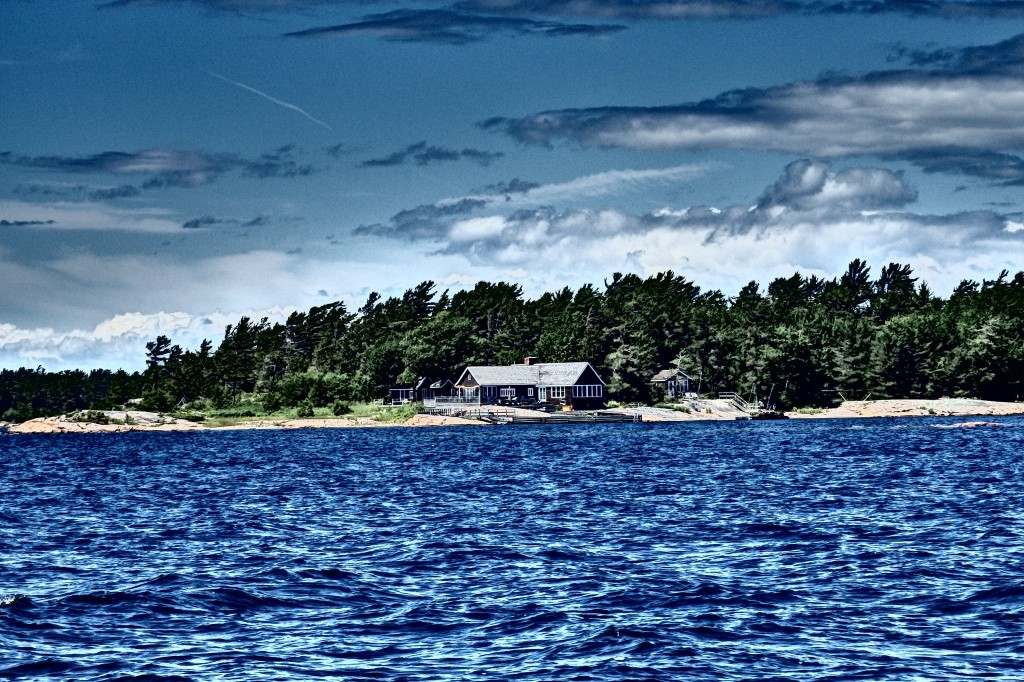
x=666 y=374
x=540 y=374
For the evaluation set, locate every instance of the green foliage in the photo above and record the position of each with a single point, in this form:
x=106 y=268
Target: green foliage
x=189 y=416
x=157 y=399
x=21 y=412
x=91 y=416
x=240 y=412
x=340 y=407
x=305 y=409
x=272 y=402
x=398 y=414
x=799 y=341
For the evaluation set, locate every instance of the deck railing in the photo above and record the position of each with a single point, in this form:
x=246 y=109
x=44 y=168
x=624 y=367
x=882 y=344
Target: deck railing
x=739 y=402
x=452 y=400
x=451 y=405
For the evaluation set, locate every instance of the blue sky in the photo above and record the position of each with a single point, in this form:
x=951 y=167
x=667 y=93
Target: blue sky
x=167 y=166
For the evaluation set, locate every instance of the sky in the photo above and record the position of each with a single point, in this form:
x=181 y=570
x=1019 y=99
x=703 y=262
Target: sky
x=168 y=166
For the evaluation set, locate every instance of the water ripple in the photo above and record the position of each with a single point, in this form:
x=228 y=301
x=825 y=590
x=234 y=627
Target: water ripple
x=826 y=550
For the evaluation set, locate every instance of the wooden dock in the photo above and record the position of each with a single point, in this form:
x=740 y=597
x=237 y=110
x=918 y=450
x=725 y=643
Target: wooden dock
x=588 y=417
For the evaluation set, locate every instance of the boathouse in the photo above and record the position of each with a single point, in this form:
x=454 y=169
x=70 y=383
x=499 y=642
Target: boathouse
x=571 y=384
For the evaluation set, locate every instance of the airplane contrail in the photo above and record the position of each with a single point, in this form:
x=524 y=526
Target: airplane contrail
x=264 y=95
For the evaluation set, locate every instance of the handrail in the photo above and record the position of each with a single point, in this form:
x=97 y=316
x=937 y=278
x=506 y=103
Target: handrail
x=738 y=401
x=451 y=400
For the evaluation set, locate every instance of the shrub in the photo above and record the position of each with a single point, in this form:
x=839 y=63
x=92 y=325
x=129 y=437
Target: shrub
x=157 y=400
x=91 y=416
x=305 y=409
x=399 y=414
x=340 y=407
x=328 y=388
x=272 y=402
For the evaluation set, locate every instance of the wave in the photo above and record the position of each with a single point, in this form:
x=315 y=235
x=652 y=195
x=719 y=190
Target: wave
x=606 y=554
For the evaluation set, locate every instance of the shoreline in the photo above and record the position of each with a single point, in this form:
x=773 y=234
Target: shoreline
x=851 y=409
x=903 y=407
x=153 y=422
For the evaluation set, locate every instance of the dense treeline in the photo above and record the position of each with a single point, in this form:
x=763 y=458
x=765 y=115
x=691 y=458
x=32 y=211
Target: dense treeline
x=803 y=341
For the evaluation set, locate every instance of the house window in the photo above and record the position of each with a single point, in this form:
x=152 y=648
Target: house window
x=490 y=391
x=556 y=392
x=529 y=392
x=587 y=391
x=508 y=393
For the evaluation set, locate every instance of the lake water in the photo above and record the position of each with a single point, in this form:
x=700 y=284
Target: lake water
x=807 y=550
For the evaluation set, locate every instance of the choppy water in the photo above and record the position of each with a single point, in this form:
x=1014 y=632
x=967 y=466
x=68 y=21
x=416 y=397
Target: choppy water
x=839 y=550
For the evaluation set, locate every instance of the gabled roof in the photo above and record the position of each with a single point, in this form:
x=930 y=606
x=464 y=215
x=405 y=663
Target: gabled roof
x=562 y=373
x=666 y=374
x=428 y=382
x=540 y=374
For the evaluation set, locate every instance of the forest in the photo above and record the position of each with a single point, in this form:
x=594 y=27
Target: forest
x=800 y=342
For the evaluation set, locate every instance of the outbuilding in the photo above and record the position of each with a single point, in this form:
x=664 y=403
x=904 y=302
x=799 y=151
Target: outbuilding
x=674 y=382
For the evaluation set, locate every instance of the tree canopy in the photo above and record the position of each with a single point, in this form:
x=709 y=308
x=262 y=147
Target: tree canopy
x=804 y=341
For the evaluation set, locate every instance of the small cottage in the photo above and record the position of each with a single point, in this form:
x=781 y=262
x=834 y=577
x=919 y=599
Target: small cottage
x=425 y=388
x=674 y=382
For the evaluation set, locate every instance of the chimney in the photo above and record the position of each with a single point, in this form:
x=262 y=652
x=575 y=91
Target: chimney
x=530 y=361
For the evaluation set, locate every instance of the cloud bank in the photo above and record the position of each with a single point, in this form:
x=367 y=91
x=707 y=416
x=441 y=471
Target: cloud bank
x=671 y=10
x=423 y=155
x=165 y=167
x=811 y=219
x=450 y=27
x=966 y=118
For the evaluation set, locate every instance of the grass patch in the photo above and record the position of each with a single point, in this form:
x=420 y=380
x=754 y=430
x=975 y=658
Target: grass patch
x=357 y=410
x=809 y=410
x=247 y=412
x=220 y=422
x=396 y=415
x=189 y=416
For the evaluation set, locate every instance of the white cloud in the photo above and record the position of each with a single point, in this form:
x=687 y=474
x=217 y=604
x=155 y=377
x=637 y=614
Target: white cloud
x=945 y=251
x=93 y=310
x=118 y=342
x=881 y=114
x=476 y=228
x=808 y=184
x=813 y=219
x=611 y=182
x=588 y=186
x=89 y=216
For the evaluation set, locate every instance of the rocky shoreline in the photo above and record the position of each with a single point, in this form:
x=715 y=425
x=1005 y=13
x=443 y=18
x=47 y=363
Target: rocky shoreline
x=942 y=407
x=122 y=422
